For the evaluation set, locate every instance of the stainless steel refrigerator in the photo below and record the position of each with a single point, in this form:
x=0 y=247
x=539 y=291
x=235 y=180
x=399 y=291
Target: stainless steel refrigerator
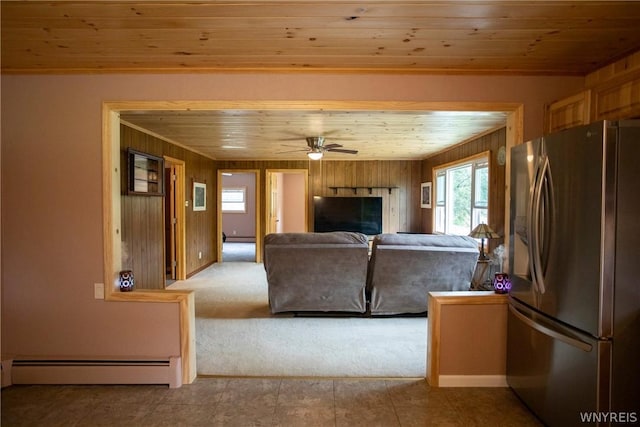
x=573 y=343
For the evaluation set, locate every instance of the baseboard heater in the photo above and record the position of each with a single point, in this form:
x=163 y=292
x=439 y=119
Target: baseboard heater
x=97 y=371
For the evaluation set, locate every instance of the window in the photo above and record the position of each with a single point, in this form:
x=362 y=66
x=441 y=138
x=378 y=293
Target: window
x=234 y=199
x=462 y=196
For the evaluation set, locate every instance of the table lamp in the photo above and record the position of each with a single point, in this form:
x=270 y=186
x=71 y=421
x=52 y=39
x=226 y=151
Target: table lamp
x=483 y=231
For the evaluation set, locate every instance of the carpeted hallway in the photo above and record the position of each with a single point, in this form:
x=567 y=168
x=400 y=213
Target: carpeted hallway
x=237 y=336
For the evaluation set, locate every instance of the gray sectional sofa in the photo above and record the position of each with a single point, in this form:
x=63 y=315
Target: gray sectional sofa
x=404 y=268
x=321 y=272
x=332 y=272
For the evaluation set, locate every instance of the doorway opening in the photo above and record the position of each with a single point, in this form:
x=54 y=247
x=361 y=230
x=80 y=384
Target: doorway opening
x=174 y=220
x=238 y=195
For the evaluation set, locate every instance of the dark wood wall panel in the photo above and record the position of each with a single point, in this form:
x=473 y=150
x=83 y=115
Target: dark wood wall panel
x=492 y=143
x=201 y=225
x=142 y=241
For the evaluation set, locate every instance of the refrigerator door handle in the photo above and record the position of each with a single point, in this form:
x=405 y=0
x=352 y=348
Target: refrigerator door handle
x=534 y=224
x=531 y=219
x=550 y=332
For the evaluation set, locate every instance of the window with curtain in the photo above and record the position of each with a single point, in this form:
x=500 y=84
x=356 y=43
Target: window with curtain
x=462 y=195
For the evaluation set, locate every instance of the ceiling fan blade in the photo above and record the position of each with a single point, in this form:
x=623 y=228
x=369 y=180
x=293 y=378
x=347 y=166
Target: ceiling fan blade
x=341 y=150
x=292 y=139
x=290 y=151
x=332 y=146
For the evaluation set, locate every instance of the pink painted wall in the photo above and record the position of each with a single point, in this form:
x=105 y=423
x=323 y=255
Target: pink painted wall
x=244 y=224
x=52 y=249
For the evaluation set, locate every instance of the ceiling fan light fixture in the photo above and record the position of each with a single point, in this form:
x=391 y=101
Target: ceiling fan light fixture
x=315 y=155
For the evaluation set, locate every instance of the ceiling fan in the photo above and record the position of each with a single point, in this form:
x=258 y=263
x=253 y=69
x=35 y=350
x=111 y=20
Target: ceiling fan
x=316 y=148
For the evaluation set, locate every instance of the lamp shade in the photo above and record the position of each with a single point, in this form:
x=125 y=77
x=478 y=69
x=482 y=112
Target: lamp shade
x=483 y=231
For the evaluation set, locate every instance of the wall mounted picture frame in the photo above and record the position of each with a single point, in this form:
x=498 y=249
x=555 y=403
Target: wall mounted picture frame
x=199 y=196
x=425 y=195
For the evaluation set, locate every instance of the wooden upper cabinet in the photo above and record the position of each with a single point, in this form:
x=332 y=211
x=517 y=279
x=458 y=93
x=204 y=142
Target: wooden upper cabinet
x=568 y=112
x=612 y=93
x=618 y=101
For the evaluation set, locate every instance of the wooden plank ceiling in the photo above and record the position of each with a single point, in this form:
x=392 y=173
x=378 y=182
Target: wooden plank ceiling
x=543 y=37
x=390 y=36
x=280 y=134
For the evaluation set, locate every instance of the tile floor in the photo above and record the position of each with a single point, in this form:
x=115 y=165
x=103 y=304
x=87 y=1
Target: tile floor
x=265 y=402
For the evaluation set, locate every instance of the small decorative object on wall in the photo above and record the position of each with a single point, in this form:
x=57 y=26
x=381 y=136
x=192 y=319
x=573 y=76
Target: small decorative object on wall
x=425 y=195
x=126 y=281
x=502 y=155
x=501 y=283
x=199 y=196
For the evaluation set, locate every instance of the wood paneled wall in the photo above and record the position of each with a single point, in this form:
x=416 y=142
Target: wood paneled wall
x=491 y=142
x=143 y=216
x=401 y=205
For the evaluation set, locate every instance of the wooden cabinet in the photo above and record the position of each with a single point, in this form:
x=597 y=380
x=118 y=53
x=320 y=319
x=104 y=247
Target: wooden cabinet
x=618 y=101
x=146 y=174
x=612 y=93
x=568 y=112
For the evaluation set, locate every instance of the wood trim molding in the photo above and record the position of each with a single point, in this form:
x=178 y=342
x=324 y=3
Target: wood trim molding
x=111 y=183
x=181 y=253
x=112 y=247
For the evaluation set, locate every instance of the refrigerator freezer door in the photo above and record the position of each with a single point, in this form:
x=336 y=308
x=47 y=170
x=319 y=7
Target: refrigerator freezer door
x=558 y=372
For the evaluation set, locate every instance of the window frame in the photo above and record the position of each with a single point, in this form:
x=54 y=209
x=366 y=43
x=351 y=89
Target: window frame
x=441 y=176
x=242 y=190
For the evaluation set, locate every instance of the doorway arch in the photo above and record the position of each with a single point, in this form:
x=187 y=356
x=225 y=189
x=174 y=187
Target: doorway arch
x=111 y=184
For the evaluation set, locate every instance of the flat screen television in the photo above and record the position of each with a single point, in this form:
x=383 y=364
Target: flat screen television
x=359 y=214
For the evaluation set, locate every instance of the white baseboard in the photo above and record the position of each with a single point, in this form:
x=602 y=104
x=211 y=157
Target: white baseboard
x=472 y=381
x=100 y=371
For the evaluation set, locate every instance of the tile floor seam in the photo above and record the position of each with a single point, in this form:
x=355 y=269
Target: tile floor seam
x=393 y=405
x=335 y=406
x=274 y=417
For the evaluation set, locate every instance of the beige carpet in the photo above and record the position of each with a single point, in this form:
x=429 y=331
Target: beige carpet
x=236 y=334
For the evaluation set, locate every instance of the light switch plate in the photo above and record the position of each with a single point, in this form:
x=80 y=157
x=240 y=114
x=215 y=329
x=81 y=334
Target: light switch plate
x=98 y=290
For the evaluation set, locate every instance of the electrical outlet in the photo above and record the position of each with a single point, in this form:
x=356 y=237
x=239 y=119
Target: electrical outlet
x=199 y=255
x=233 y=232
x=98 y=290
